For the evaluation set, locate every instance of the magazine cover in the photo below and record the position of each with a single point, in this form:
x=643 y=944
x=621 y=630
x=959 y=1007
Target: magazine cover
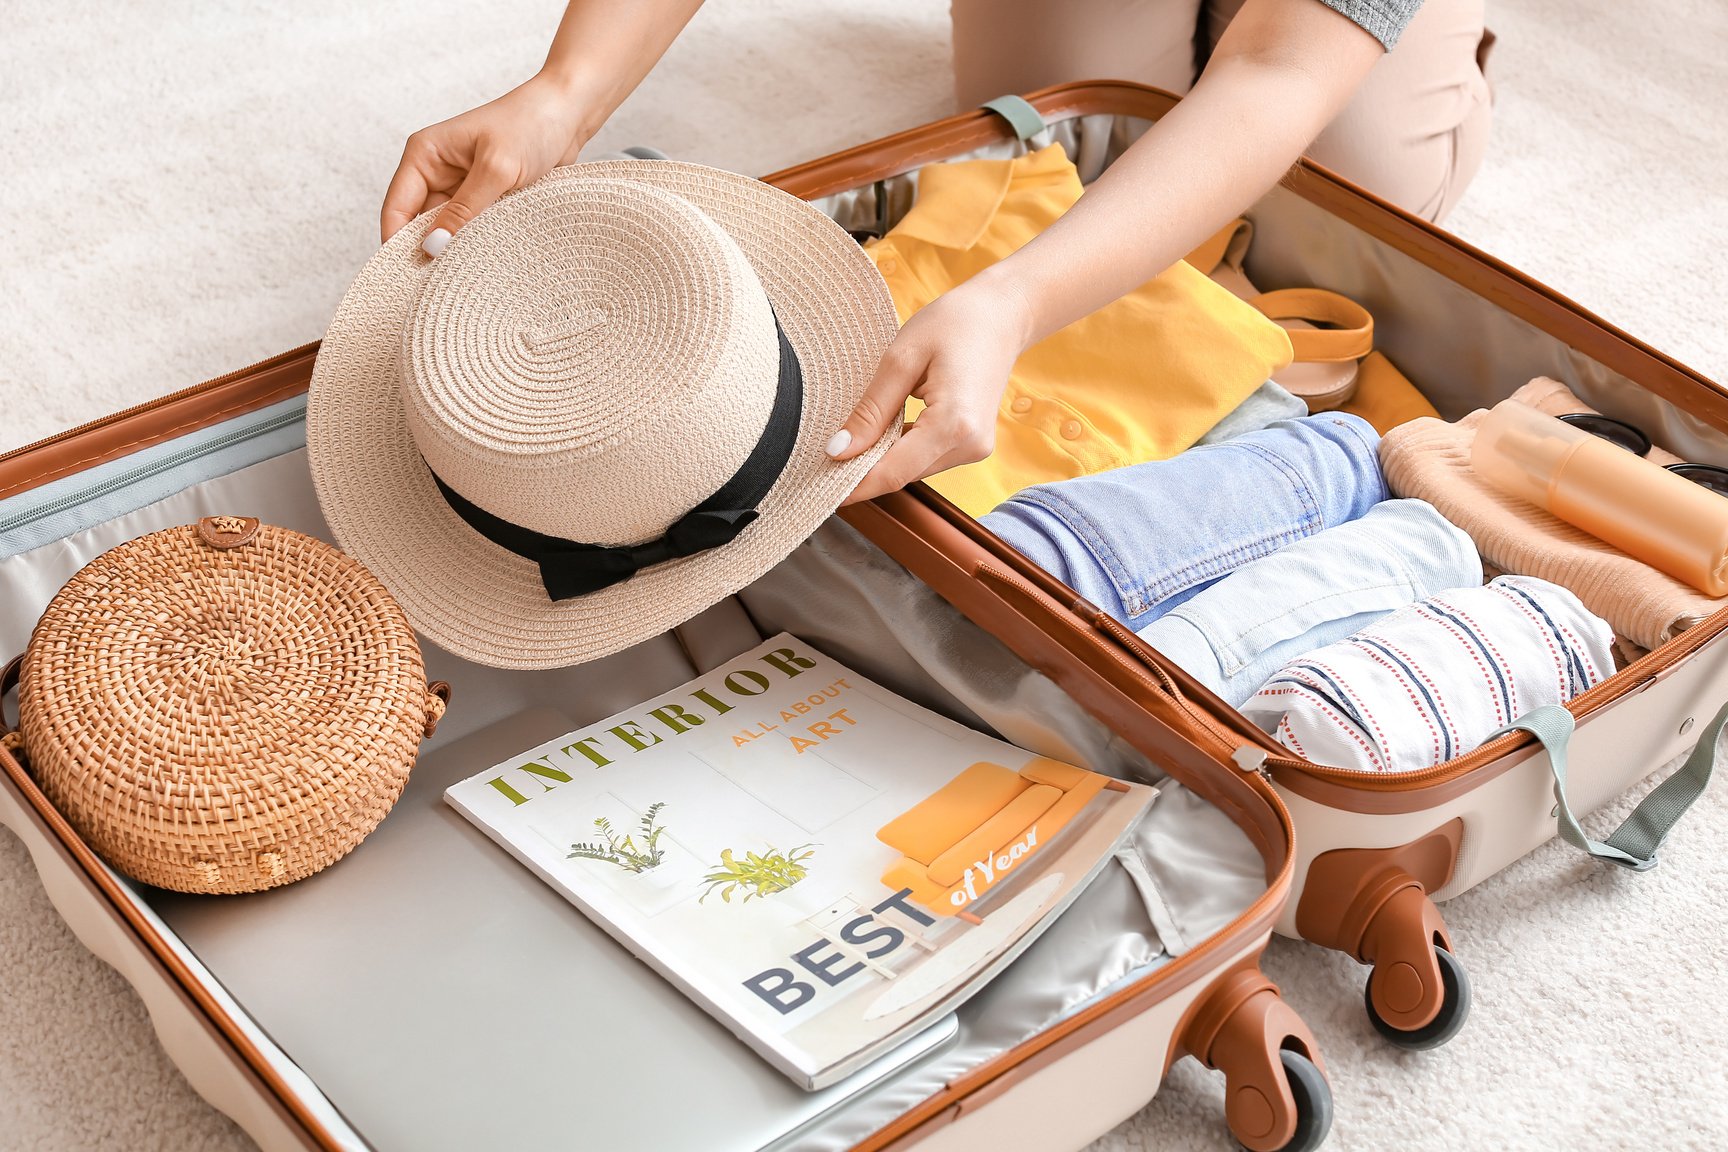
x=821 y=864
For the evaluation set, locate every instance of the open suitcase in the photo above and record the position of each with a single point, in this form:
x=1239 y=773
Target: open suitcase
x=410 y=997
x=1374 y=852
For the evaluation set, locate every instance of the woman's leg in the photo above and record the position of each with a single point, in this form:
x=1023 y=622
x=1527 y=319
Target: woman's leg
x=1416 y=130
x=1013 y=46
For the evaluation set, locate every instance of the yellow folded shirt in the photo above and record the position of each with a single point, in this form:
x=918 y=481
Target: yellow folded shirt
x=1140 y=379
x=1385 y=397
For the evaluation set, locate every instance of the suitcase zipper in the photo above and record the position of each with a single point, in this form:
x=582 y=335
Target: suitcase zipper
x=1251 y=760
x=1147 y=673
x=144 y=472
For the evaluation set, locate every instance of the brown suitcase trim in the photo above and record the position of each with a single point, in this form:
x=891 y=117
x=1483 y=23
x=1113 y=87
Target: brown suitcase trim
x=176 y=414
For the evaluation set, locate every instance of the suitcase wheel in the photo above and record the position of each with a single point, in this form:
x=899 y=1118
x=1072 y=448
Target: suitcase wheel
x=1418 y=994
x=1313 y=1101
x=1276 y=1098
x=1454 y=1006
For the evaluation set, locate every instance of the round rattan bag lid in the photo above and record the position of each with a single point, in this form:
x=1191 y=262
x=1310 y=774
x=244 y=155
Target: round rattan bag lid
x=224 y=707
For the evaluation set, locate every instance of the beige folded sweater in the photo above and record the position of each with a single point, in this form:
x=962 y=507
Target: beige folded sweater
x=1430 y=460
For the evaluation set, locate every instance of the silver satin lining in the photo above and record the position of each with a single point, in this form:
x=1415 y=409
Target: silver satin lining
x=1191 y=872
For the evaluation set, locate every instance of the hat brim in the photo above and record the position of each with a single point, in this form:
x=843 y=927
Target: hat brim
x=486 y=604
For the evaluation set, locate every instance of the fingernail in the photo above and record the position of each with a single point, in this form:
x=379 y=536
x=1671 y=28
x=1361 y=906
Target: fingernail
x=435 y=241
x=838 y=442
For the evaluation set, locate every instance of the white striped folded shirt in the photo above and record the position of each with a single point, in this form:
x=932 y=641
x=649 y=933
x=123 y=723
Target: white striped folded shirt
x=1434 y=680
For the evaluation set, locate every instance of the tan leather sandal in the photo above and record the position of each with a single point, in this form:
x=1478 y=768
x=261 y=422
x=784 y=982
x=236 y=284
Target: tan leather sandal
x=1326 y=367
x=1325 y=370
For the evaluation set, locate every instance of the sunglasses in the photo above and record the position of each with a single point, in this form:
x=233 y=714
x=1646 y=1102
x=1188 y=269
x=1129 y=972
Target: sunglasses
x=1634 y=440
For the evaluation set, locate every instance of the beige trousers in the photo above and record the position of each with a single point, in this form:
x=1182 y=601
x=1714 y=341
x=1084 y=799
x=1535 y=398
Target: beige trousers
x=1414 y=133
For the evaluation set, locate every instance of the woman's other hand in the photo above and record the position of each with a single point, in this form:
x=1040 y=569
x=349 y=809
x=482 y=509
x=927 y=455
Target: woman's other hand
x=954 y=355
x=1281 y=72
x=467 y=162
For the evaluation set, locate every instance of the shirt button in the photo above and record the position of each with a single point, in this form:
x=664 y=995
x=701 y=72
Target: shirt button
x=1071 y=430
x=1022 y=404
x=888 y=266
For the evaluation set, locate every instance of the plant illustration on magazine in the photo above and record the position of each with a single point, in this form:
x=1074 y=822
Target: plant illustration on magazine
x=623 y=851
x=758 y=874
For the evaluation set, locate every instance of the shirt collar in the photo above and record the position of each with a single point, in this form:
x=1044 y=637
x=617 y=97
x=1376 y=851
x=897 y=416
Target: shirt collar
x=958 y=201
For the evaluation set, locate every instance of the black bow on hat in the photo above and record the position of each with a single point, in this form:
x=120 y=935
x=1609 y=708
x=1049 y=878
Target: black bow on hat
x=570 y=568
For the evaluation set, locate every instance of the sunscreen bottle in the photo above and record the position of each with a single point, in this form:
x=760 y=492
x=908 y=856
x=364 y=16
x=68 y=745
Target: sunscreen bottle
x=1640 y=508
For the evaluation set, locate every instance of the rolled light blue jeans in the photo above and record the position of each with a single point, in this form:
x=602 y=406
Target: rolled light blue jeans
x=1142 y=540
x=1237 y=633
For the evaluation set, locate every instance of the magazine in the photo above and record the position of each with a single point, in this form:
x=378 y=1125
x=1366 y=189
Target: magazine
x=824 y=866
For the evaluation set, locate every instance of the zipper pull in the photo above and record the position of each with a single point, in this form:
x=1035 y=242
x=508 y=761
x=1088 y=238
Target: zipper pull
x=1251 y=760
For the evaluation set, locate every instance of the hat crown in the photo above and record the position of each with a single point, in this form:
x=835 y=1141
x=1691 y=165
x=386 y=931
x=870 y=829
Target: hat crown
x=590 y=362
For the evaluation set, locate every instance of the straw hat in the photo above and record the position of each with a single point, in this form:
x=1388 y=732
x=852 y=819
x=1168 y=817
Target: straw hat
x=602 y=409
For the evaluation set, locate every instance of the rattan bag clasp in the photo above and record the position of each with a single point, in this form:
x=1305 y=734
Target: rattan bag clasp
x=223 y=707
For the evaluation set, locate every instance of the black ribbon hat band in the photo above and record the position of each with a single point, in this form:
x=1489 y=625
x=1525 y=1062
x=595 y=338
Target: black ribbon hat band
x=569 y=568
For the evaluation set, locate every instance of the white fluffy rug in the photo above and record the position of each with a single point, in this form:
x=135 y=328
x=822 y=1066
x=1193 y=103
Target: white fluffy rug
x=189 y=187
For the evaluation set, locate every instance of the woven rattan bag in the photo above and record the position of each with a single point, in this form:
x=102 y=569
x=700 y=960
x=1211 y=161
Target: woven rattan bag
x=223 y=707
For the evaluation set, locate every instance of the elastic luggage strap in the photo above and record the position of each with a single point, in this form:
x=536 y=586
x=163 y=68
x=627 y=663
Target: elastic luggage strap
x=1021 y=116
x=1633 y=845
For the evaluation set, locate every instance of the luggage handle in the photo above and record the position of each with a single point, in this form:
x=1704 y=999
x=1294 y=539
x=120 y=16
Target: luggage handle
x=1632 y=845
x=1019 y=113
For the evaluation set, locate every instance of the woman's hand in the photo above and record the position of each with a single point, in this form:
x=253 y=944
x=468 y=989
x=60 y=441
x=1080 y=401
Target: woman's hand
x=600 y=53
x=955 y=355
x=1281 y=72
x=468 y=162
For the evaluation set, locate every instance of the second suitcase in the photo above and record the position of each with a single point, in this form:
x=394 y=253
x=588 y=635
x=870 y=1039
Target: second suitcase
x=1375 y=852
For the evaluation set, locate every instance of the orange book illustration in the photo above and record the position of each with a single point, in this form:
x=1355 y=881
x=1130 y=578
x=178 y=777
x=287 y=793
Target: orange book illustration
x=967 y=835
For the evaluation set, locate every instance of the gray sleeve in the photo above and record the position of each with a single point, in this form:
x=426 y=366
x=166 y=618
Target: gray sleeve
x=1384 y=20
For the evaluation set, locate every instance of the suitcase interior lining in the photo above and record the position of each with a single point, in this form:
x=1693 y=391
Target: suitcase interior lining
x=1419 y=314
x=418 y=979
x=1459 y=347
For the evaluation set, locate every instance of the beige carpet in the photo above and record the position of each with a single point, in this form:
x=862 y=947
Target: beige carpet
x=189 y=187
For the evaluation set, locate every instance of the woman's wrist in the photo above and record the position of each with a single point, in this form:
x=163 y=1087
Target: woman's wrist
x=570 y=90
x=562 y=77
x=1000 y=294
